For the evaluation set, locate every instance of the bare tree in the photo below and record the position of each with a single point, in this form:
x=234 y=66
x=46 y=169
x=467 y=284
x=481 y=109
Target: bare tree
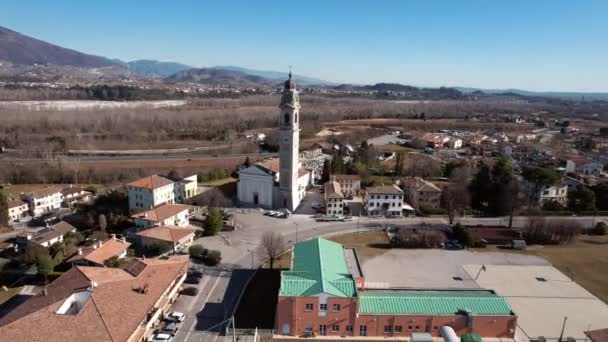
x=271 y=247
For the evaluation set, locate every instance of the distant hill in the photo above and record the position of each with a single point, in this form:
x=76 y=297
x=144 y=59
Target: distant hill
x=156 y=69
x=217 y=76
x=555 y=94
x=20 y=49
x=278 y=75
x=404 y=91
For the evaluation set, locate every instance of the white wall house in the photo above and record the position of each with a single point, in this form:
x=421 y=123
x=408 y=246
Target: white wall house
x=17 y=210
x=149 y=192
x=349 y=184
x=178 y=239
x=334 y=199
x=558 y=193
x=590 y=169
x=384 y=200
x=185 y=188
x=164 y=215
x=42 y=201
x=47 y=236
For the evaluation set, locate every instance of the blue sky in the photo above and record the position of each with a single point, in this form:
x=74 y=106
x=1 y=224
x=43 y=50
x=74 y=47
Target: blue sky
x=527 y=44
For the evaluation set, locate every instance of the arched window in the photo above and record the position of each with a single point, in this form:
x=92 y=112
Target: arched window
x=295 y=118
x=286 y=119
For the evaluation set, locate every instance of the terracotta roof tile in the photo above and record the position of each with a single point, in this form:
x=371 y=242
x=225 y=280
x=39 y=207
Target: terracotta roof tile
x=43 y=192
x=600 y=335
x=161 y=212
x=113 y=312
x=151 y=182
x=15 y=203
x=99 y=255
x=340 y=177
x=172 y=234
x=385 y=189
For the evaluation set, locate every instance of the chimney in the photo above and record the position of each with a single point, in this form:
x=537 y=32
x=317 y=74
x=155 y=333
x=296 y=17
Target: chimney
x=145 y=215
x=114 y=237
x=93 y=285
x=123 y=240
x=44 y=291
x=79 y=251
x=95 y=245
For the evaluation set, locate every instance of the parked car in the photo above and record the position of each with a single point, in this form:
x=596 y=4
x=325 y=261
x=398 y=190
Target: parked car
x=162 y=337
x=175 y=316
x=190 y=291
x=170 y=329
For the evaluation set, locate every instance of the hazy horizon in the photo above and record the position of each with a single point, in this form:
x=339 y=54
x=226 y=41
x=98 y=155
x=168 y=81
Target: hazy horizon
x=549 y=46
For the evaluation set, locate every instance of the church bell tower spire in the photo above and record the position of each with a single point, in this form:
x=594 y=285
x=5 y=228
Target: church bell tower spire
x=289 y=135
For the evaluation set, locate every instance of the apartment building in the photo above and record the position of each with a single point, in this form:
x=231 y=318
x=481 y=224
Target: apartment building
x=42 y=201
x=99 y=304
x=350 y=184
x=386 y=200
x=334 y=199
x=421 y=193
x=75 y=194
x=17 y=210
x=149 y=192
x=324 y=294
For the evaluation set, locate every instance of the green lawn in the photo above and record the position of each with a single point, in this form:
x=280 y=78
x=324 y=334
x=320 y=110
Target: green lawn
x=219 y=182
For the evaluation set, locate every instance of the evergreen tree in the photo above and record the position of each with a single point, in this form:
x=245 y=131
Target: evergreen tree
x=214 y=221
x=3 y=210
x=480 y=188
x=326 y=171
x=581 y=199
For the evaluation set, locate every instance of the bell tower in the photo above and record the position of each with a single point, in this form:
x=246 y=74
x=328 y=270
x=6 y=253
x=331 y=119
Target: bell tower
x=289 y=135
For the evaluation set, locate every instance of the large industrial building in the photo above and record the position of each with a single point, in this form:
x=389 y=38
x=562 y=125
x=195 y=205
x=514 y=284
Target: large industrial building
x=325 y=293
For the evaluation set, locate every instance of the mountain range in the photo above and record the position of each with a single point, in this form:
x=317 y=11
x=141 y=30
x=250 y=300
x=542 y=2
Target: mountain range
x=25 y=58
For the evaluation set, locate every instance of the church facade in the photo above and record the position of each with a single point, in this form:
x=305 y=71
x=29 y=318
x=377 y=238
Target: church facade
x=279 y=183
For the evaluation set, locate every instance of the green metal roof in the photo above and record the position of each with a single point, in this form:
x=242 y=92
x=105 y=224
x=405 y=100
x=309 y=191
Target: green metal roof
x=429 y=302
x=318 y=266
x=471 y=338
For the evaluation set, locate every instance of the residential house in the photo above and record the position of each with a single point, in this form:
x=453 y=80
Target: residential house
x=177 y=238
x=42 y=201
x=350 y=184
x=184 y=188
x=334 y=199
x=557 y=193
x=47 y=236
x=384 y=200
x=149 y=192
x=164 y=215
x=325 y=294
x=75 y=194
x=17 y=210
x=100 y=304
x=584 y=166
x=421 y=193
x=98 y=253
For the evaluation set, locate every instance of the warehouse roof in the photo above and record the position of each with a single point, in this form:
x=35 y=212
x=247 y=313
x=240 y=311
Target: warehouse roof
x=318 y=266
x=432 y=302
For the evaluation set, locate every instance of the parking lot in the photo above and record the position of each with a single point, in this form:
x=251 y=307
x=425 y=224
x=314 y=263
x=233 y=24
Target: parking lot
x=434 y=268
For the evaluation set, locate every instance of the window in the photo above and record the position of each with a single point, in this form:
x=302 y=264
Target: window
x=309 y=307
x=388 y=329
x=336 y=307
x=295 y=117
x=398 y=329
x=349 y=329
x=323 y=307
x=363 y=330
x=308 y=331
x=335 y=328
x=385 y=196
x=371 y=204
x=286 y=119
x=322 y=329
x=394 y=197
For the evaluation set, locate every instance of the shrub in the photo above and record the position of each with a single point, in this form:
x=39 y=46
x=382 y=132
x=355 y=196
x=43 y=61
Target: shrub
x=213 y=258
x=600 y=229
x=462 y=234
x=197 y=251
x=114 y=262
x=214 y=221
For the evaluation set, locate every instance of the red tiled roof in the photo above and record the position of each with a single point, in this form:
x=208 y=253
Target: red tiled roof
x=600 y=335
x=151 y=182
x=171 y=234
x=113 y=312
x=161 y=212
x=99 y=255
x=15 y=203
x=272 y=165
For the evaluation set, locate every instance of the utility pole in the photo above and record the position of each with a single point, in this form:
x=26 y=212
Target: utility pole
x=233 y=330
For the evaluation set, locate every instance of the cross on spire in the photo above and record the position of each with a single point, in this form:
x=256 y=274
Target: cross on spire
x=290 y=71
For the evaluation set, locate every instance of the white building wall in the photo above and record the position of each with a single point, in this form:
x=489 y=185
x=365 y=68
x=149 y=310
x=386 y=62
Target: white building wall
x=250 y=185
x=42 y=205
x=141 y=199
x=384 y=204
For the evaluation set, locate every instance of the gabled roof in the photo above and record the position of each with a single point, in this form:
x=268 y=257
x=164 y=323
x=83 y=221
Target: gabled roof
x=600 y=335
x=43 y=192
x=15 y=203
x=151 y=182
x=162 y=212
x=54 y=231
x=100 y=254
x=171 y=234
x=333 y=190
x=114 y=310
x=340 y=177
x=432 y=302
x=318 y=266
x=419 y=184
x=385 y=190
